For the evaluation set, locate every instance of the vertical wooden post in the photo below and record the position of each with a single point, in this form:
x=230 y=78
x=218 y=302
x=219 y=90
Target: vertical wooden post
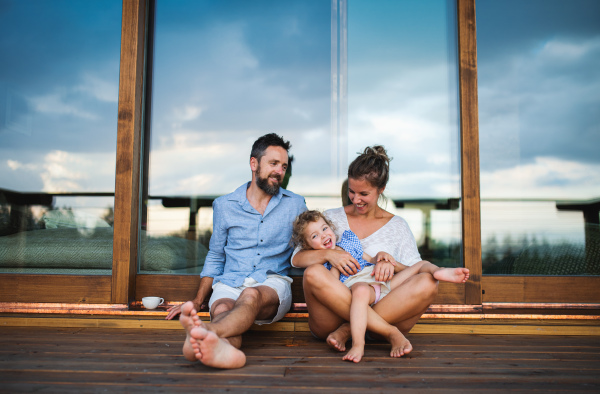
x=129 y=131
x=467 y=48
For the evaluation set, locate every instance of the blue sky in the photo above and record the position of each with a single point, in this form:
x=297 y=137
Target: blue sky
x=58 y=94
x=539 y=100
x=228 y=72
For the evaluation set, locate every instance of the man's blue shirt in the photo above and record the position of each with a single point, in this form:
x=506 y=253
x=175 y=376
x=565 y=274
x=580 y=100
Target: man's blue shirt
x=244 y=243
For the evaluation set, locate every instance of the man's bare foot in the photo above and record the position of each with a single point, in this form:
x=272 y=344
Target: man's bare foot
x=214 y=351
x=400 y=345
x=355 y=353
x=337 y=339
x=189 y=319
x=454 y=275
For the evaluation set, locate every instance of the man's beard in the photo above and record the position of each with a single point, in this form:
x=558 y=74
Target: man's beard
x=263 y=183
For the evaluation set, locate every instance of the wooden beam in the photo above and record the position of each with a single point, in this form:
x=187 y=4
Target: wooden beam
x=553 y=289
x=129 y=131
x=469 y=135
x=84 y=289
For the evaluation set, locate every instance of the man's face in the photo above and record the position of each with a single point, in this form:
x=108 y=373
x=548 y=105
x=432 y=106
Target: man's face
x=271 y=169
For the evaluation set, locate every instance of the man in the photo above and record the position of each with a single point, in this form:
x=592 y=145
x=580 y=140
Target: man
x=247 y=262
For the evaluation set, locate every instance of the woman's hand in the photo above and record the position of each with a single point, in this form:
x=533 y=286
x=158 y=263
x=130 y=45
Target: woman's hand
x=344 y=262
x=383 y=271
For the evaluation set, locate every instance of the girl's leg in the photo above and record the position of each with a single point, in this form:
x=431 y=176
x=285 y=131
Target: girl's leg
x=453 y=275
x=328 y=301
x=362 y=296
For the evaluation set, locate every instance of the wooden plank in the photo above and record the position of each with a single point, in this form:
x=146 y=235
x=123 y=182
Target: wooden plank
x=129 y=131
x=55 y=288
x=83 y=360
x=469 y=137
x=179 y=288
x=561 y=289
x=173 y=288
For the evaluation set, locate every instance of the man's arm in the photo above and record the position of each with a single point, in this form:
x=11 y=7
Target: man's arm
x=213 y=264
x=203 y=292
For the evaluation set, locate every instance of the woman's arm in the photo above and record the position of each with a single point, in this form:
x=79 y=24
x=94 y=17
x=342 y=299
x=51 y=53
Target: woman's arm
x=338 y=259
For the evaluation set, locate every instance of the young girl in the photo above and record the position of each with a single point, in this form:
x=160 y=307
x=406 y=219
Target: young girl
x=312 y=230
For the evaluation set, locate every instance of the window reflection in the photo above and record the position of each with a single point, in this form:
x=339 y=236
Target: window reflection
x=539 y=133
x=59 y=78
x=403 y=93
x=330 y=76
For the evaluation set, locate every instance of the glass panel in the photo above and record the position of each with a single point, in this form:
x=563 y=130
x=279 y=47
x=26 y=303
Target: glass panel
x=539 y=94
x=59 y=78
x=227 y=72
x=403 y=94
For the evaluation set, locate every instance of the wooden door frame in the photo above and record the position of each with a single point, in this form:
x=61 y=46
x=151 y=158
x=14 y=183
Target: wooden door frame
x=126 y=286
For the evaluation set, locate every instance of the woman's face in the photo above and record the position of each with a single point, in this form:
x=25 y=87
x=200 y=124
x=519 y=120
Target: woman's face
x=363 y=195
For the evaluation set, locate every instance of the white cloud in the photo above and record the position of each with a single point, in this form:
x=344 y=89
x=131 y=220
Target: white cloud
x=55 y=103
x=187 y=113
x=99 y=88
x=571 y=51
x=546 y=177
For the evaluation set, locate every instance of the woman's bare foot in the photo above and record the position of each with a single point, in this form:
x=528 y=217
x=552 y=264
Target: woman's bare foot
x=400 y=345
x=454 y=275
x=189 y=319
x=216 y=352
x=337 y=339
x=355 y=353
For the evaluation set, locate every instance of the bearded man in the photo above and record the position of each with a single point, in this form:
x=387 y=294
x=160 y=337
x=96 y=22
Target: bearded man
x=247 y=263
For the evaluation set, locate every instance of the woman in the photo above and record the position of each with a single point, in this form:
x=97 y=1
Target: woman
x=329 y=300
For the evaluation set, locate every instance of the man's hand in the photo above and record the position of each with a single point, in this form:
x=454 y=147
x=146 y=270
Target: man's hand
x=383 y=271
x=343 y=261
x=176 y=310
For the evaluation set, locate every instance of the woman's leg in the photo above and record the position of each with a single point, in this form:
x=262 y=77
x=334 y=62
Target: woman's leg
x=329 y=301
x=325 y=298
x=405 y=304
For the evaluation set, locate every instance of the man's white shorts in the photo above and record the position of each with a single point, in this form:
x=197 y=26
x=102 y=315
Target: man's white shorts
x=281 y=285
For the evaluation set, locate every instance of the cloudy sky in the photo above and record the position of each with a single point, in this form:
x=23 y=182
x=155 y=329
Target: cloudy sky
x=539 y=100
x=59 y=79
x=226 y=72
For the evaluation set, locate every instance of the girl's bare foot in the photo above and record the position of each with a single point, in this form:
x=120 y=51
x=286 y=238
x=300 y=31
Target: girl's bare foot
x=454 y=275
x=400 y=345
x=189 y=319
x=216 y=352
x=337 y=339
x=355 y=353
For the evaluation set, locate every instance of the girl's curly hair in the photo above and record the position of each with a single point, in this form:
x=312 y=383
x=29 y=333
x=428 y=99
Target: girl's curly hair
x=303 y=220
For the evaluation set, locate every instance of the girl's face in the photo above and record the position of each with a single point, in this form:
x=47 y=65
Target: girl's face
x=319 y=235
x=363 y=195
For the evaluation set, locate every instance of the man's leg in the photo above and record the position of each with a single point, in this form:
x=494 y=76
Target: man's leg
x=215 y=341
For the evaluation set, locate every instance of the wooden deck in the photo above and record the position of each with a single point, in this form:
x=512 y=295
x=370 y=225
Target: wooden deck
x=79 y=360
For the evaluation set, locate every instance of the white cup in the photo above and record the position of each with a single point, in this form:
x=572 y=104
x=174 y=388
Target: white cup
x=152 y=302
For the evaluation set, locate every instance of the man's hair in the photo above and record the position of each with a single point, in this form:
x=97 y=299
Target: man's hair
x=260 y=145
x=300 y=224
